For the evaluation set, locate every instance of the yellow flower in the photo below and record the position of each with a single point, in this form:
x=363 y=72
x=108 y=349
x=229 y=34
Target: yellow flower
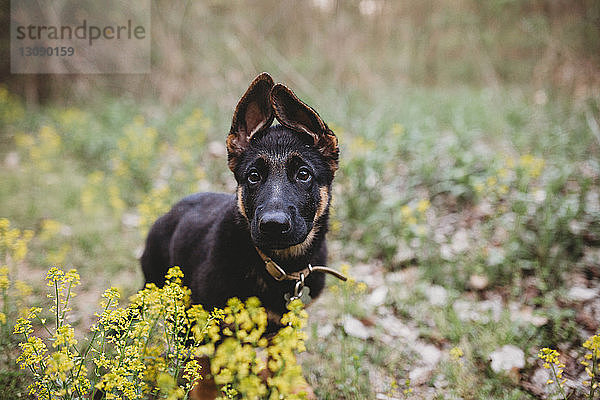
x=33 y=352
x=532 y=165
x=49 y=229
x=54 y=275
x=397 y=129
x=174 y=274
x=552 y=361
x=58 y=256
x=593 y=344
x=112 y=294
x=406 y=211
x=59 y=363
x=64 y=336
x=456 y=353
x=4 y=281
x=23 y=326
x=423 y=205
x=141 y=361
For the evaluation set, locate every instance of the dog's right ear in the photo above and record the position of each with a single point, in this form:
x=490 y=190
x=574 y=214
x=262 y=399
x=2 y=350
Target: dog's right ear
x=253 y=114
x=293 y=113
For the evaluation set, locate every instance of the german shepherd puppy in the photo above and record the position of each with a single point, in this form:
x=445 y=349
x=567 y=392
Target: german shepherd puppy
x=223 y=243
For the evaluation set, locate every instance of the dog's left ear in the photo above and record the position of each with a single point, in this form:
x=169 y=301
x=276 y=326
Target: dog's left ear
x=253 y=114
x=294 y=114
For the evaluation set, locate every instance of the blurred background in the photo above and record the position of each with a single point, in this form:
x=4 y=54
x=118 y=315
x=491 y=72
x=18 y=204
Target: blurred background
x=214 y=46
x=466 y=208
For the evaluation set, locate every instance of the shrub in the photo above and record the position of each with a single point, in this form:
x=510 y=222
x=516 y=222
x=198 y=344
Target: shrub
x=151 y=347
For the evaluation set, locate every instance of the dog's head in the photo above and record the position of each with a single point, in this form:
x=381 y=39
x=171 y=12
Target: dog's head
x=284 y=173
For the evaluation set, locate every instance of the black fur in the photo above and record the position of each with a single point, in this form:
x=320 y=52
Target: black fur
x=281 y=207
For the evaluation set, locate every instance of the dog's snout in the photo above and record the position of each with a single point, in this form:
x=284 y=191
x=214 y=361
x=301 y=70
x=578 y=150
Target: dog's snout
x=275 y=223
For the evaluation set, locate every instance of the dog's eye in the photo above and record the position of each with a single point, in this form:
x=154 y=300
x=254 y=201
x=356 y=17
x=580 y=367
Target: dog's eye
x=303 y=174
x=253 y=177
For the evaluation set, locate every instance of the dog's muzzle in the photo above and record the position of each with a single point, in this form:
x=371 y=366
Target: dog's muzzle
x=274 y=224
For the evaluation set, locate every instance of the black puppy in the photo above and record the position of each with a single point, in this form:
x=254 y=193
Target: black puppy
x=265 y=240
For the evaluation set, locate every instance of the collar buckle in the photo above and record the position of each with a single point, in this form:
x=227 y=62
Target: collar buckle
x=275 y=270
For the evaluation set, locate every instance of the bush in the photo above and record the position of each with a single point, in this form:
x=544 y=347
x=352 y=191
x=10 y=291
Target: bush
x=151 y=347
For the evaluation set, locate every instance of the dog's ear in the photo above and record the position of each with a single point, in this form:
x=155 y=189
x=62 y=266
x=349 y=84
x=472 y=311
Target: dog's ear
x=252 y=115
x=294 y=114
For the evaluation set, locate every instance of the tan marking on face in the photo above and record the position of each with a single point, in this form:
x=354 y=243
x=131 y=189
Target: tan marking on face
x=297 y=249
x=323 y=202
x=240 y=202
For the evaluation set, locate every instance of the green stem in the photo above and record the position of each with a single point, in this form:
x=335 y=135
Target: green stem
x=56 y=301
x=87 y=350
x=185 y=339
x=177 y=342
x=594 y=375
x=67 y=301
x=96 y=369
x=562 y=392
x=5 y=332
x=43 y=325
x=148 y=337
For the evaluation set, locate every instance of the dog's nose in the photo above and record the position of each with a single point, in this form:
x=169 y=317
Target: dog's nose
x=275 y=223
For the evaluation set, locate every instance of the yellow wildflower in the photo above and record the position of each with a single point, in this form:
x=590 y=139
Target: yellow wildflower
x=64 y=336
x=4 y=281
x=456 y=353
x=423 y=205
x=406 y=211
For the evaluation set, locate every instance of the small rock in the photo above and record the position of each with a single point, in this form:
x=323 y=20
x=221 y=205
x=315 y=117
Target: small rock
x=378 y=296
x=465 y=310
x=382 y=396
x=446 y=252
x=579 y=293
x=460 y=241
x=540 y=377
x=216 y=149
x=12 y=160
x=576 y=227
x=396 y=328
x=586 y=317
x=354 y=327
x=496 y=256
x=538 y=320
x=430 y=354
x=526 y=315
x=404 y=254
x=539 y=385
x=539 y=196
x=484 y=209
x=492 y=307
x=130 y=220
x=437 y=295
x=507 y=358
x=478 y=282
x=441 y=382
x=324 y=330
x=420 y=375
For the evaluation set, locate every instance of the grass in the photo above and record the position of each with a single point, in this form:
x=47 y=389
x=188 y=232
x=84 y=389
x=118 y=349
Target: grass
x=436 y=186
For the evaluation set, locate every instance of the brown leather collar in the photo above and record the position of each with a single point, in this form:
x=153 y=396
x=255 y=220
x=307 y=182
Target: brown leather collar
x=279 y=273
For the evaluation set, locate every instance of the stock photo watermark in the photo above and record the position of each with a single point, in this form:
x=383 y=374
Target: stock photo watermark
x=49 y=37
